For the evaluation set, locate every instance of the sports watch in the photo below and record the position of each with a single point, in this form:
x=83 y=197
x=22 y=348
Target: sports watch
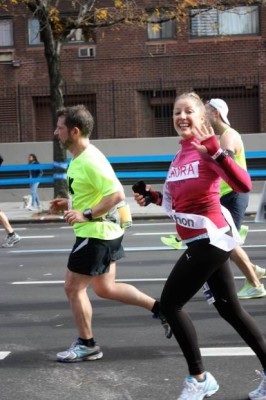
x=88 y=214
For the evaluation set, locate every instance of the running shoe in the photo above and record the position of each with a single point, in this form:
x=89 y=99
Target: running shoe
x=260 y=392
x=243 y=232
x=79 y=352
x=251 y=292
x=11 y=240
x=171 y=241
x=167 y=329
x=194 y=390
x=260 y=272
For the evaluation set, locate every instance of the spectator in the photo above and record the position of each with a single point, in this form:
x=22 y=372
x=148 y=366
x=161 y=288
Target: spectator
x=34 y=173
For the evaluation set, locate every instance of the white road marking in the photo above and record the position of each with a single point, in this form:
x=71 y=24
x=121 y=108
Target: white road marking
x=128 y=249
x=153 y=233
x=256 y=230
x=205 y=351
x=174 y=233
x=38 y=237
x=17 y=229
x=60 y=282
x=117 y=280
x=4 y=354
x=226 y=351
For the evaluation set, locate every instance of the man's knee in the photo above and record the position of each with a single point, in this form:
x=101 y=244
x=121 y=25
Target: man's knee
x=104 y=291
x=69 y=288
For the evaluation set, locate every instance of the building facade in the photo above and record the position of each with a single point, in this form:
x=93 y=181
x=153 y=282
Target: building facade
x=129 y=76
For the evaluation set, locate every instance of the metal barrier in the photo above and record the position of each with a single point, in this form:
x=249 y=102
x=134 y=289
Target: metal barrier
x=128 y=169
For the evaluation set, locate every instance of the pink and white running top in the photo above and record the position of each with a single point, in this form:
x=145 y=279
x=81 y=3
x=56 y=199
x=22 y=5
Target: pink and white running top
x=193 y=184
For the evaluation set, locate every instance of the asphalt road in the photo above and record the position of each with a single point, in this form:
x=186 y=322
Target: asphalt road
x=139 y=363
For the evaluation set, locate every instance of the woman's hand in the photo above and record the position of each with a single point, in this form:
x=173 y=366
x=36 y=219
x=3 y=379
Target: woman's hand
x=141 y=199
x=202 y=133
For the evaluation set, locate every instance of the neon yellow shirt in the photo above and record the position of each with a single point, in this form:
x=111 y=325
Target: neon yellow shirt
x=240 y=159
x=91 y=177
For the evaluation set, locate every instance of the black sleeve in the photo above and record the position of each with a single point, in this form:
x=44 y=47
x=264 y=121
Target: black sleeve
x=1 y=159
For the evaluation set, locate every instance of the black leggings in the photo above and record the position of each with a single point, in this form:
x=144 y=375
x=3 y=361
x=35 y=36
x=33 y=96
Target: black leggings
x=201 y=263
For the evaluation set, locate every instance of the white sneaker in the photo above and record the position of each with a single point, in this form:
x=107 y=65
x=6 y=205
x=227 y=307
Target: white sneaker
x=11 y=240
x=260 y=392
x=79 y=352
x=260 y=272
x=194 y=390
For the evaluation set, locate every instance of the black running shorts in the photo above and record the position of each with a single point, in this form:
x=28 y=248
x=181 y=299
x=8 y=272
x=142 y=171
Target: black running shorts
x=91 y=256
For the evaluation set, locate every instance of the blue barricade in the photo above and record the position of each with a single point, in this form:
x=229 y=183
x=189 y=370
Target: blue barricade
x=127 y=168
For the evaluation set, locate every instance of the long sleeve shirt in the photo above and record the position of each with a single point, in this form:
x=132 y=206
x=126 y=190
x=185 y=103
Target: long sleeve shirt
x=193 y=182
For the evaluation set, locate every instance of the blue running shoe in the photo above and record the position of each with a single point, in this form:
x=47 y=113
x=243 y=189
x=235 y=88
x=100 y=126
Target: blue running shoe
x=79 y=352
x=194 y=390
x=260 y=392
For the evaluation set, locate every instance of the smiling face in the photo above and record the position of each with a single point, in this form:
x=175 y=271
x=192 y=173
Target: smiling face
x=188 y=113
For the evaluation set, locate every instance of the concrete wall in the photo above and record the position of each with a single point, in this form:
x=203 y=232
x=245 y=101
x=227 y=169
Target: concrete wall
x=17 y=153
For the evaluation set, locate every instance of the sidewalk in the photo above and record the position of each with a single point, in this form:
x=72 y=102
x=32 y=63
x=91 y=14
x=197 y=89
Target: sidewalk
x=16 y=212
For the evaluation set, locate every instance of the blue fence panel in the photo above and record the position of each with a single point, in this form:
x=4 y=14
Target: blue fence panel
x=54 y=172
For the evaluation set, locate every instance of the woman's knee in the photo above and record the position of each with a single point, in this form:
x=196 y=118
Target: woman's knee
x=167 y=305
x=226 y=309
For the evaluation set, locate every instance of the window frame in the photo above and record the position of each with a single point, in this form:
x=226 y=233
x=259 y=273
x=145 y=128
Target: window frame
x=11 y=32
x=66 y=42
x=33 y=32
x=218 y=28
x=156 y=20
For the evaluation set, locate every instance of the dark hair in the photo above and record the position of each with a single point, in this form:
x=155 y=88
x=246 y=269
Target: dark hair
x=34 y=157
x=77 y=116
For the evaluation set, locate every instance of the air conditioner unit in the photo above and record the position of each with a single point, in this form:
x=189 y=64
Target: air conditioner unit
x=86 y=52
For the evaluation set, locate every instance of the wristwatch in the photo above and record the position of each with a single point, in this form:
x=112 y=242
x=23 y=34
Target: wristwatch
x=222 y=156
x=88 y=214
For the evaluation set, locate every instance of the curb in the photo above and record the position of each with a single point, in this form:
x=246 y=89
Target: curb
x=56 y=219
x=52 y=219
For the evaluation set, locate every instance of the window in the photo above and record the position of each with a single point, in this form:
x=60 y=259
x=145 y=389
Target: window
x=242 y=20
x=161 y=30
x=6 y=32
x=34 y=32
x=75 y=35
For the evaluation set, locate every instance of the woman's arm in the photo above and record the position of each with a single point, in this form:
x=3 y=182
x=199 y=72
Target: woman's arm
x=236 y=177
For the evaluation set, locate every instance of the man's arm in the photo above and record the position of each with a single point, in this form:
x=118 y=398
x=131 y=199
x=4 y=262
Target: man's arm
x=105 y=205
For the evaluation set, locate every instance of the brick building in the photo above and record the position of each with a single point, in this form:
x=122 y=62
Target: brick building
x=129 y=77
